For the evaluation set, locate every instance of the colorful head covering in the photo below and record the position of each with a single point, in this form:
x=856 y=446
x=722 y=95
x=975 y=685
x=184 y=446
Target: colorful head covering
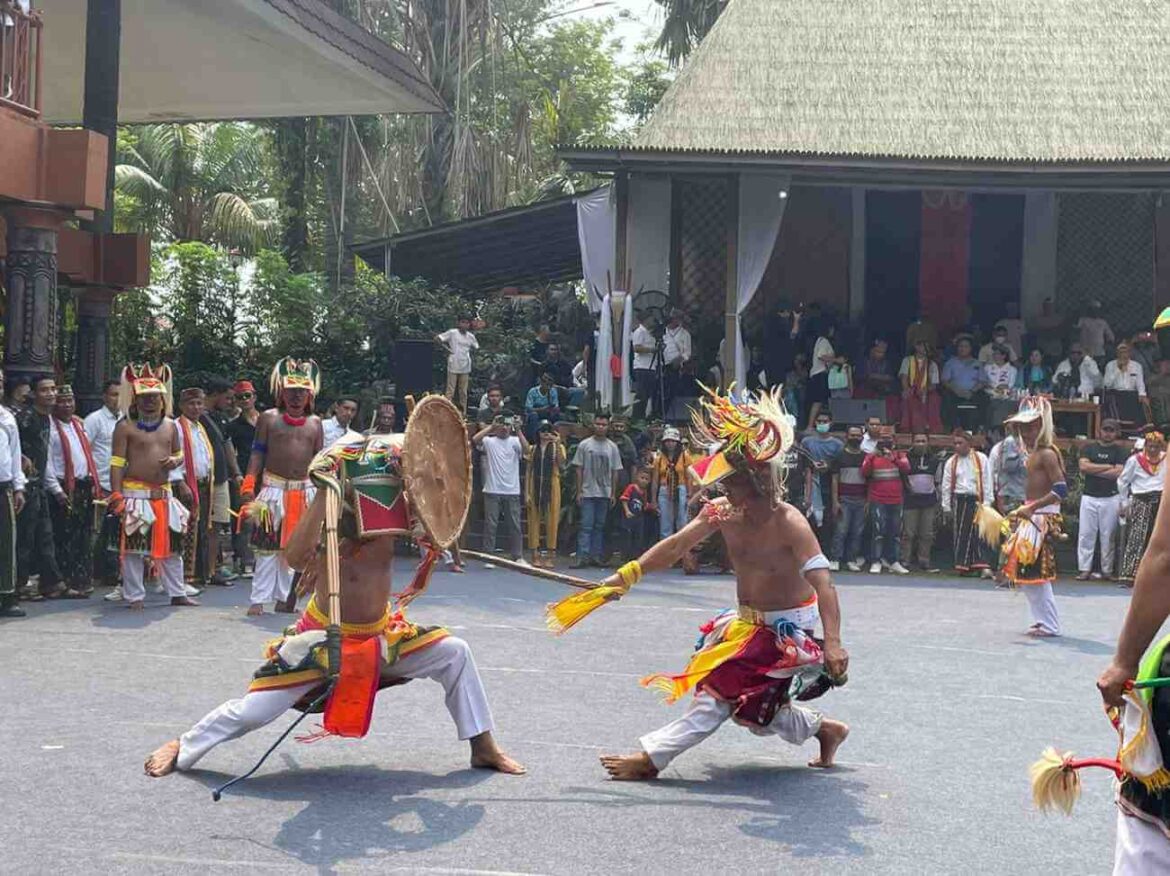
x=244 y=386
x=64 y=391
x=1163 y=320
x=1033 y=408
x=751 y=434
x=144 y=379
x=290 y=373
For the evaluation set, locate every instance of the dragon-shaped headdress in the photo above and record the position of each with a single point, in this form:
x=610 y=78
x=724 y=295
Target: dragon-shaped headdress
x=290 y=373
x=144 y=379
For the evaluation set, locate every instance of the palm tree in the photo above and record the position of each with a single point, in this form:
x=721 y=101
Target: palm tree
x=685 y=23
x=202 y=182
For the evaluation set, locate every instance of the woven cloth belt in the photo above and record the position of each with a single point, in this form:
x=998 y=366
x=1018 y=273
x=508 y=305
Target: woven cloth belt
x=271 y=480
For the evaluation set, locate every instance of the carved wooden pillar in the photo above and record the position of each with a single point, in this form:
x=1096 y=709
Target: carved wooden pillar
x=31 y=281
x=93 y=346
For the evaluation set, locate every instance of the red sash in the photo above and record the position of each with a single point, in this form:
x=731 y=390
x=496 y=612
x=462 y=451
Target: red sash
x=351 y=704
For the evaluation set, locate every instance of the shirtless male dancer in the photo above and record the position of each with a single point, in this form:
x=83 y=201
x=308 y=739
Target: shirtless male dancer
x=294 y=673
x=145 y=474
x=287 y=439
x=1029 y=553
x=753 y=661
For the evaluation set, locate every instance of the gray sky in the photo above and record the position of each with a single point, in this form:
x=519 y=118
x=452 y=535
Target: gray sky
x=636 y=20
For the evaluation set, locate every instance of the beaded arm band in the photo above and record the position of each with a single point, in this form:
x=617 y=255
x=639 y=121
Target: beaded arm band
x=117 y=462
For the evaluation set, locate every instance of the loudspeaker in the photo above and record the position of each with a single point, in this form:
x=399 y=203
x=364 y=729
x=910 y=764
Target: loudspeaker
x=855 y=411
x=414 y=367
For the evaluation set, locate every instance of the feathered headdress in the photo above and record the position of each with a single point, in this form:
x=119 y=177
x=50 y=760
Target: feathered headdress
x=144 y=379
x=752 y=434
x=290 y=373
x=1033 y=408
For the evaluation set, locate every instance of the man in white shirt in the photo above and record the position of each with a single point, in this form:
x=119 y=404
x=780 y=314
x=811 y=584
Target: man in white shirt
x=676 y=354
x=967 y=485
x=503 y=446
x=873 y=427
x=99 y=428
x=11 y=501
x=345 y=409
x=645 y=377
x=1081 y=370
x=1123 y=374
x=69 y=479
x=459 y=342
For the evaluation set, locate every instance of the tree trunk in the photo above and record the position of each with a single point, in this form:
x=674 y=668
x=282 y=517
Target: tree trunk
x=291 y=142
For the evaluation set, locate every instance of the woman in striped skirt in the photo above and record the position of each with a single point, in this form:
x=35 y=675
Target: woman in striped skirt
x=1140 y=487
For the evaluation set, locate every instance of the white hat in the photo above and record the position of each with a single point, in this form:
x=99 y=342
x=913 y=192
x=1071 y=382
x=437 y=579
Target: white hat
x=670 y=433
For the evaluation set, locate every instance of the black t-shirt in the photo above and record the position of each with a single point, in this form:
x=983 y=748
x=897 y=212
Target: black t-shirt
x=795 y=464
x=1103 y=454
x=847 y=467
x=241 y=433
x=213 y=423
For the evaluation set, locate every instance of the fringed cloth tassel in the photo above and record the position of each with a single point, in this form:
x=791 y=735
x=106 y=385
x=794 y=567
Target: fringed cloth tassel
x=703 y=663
x=989 y=522
x=562 y=616
x=1056 y=784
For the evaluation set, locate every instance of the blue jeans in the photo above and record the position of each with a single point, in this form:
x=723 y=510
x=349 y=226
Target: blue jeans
x=591 y=536
x=847 y=533
x=887 y=530
x=672 y=516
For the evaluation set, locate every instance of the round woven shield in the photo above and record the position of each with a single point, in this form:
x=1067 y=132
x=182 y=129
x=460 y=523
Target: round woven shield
x=436 y=468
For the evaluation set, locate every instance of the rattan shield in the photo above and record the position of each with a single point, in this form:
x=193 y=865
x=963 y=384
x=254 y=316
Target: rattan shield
x=436 y=467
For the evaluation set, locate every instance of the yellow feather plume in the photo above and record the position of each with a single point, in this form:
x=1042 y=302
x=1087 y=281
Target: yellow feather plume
x=990 y=525
x=561 y=616
x=1055 y=784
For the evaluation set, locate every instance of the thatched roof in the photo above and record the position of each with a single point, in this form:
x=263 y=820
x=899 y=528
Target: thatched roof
x=999 y=80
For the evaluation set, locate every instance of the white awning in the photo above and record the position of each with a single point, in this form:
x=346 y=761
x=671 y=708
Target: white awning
x=185 y=60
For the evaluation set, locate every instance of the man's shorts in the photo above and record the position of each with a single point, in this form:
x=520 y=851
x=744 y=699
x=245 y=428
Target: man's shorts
x=221 y=504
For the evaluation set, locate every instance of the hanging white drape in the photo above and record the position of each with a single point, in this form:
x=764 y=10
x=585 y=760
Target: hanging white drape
x=605 y=350
x=762 y=199
x=648 y=232
x=596 y=234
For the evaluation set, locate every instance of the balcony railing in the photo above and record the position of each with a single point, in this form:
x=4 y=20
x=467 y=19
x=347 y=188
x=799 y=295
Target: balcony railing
x=20 y=57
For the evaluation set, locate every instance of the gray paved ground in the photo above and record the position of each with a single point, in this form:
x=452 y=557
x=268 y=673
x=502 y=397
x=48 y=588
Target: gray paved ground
x=948 y=702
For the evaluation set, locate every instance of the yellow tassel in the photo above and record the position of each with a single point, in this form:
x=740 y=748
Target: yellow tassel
x=571 y=610
x=1055 y=784
x=1157 y=782
x=990 y=523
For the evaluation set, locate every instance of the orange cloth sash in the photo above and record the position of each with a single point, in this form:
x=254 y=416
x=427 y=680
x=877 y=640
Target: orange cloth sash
x=160 y=530
x=351 y=704
x=294 y=507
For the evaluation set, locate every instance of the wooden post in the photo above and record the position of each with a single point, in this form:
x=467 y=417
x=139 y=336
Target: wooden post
x=731 y=295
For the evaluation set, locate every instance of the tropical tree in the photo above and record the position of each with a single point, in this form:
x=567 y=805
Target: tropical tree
x=685 y=23
x=198 y=182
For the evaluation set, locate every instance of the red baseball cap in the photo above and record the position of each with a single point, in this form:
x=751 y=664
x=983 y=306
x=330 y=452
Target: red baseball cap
x=244 y=386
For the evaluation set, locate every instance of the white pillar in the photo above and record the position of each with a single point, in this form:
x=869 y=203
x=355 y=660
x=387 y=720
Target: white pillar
x=1038 y=268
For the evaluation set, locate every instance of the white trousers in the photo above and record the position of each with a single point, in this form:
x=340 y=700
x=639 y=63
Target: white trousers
x=1141 y=849
x=134 y=571
x=793 y=723
x=271 y=579
x=448 y=661
x=1098 y=522
x=1043 y=606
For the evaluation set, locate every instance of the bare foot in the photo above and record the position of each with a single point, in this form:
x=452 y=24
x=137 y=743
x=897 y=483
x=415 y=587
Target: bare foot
x=256 y=609
x=629 y=767
x=831 y=735
x=183 y=600
x=486 y=755
x=162 y=760
x=137 y=606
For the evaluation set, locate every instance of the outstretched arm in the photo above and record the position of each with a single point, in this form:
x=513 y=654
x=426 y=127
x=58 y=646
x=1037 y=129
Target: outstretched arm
x=670 y=550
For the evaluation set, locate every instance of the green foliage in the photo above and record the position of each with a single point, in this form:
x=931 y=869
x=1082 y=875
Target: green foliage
x=645 y=84
x=685 y=23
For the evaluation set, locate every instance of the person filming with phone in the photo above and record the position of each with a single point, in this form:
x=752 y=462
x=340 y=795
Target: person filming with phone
x=503 y=446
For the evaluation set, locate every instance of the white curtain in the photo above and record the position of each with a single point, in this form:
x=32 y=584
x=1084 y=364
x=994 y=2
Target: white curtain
x=605 y=350
x=648 y=232
x=596 y=234
x=762 y=199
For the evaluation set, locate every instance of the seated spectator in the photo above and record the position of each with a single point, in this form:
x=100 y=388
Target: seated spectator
x=1035 y=376
x=999 y=337
x=1123 y=374
x=490 y=406
x=883 y=471
x=543 y=403
x=1001 y=374
x=561 y=370
x=1158 y=389
x=634 y=511
x=1146 y=351
x=919 y=505
x=964 y=401
x=921 y=403
x=1078 y=375
x=538 y=352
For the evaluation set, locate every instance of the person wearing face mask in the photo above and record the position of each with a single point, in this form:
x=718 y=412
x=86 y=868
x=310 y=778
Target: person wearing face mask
x=848 y=505
x=919 y=505
x=1140 y=487
x=820 y=449
x=999 y=338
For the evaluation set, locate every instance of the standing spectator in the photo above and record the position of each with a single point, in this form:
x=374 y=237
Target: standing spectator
x=966 y=486
x=796 y=384
x=999 y=338
x=11 y=503
x=542 y=492
x=580 y=384
x=241 y=432
x=538 y=353
x=385 y=418
x=921 y=405
x=1146 y=351
x=198 y=473
x=645 y=378
x=1035 y=376
x=494 y=407
x=634 y=512
x=1079 y=373
x=676 y=357
x=503 y=447
x=1096 y=334
x=226 y=472
x=873 y=431
x=1049 y=329
x=848 y=504
x=821 y=449
x=345 y=411
x=1123 y=374
x=876 y=377
x=598 y=464
x=823 y=357
x=99 y=428
x=459 y=342
x=782 y=331
x=883 y=471
x=963 y=401
x=543 y=402
x=1101 y=465
x=920 y=505
x=16 y=393
x=670 y=483
x=1140 y=487
x=1158 y=389
x=1014 y=327
x=841 y=378
x=69 y=478
x=921 y=331
x=35 y=552
x=562 y=375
